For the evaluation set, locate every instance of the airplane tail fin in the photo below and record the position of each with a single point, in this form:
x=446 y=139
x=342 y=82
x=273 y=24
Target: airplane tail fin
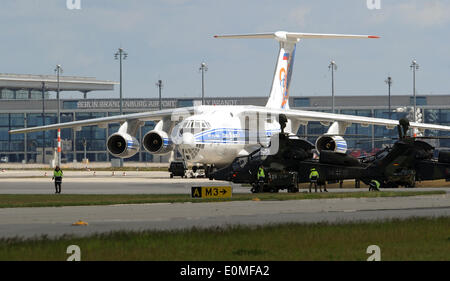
x=279 y=94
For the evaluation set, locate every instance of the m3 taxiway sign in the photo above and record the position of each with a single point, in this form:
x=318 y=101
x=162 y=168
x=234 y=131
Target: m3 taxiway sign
x=211 y=192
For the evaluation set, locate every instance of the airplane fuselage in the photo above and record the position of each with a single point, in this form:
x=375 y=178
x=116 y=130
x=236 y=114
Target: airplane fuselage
x=218 y=134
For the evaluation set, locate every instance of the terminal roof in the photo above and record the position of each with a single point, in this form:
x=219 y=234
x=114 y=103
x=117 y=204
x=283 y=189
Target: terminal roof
x=66 y=83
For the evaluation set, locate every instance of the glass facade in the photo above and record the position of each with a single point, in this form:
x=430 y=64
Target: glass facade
x=359 y=137
x=146 y=157
x=442 y=117
x=22 y=94
x=185 y=103
x=70 y=104
x=419 y=100
x=301 y=102
x=12 y=146
x=366 y=140
x=382 y=135
x=8 y=94
x=94 y=135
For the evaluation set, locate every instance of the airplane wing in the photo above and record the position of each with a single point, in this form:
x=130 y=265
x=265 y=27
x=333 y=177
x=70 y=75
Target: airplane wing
x=172 y=114
x=303 y=116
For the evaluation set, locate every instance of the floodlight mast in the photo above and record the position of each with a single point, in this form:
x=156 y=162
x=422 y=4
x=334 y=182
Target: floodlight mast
x=389 y=82
x=333 y=67
x=121 y=55
x=203 y=68
x=159 y=84
x=58 y=71
x=414 y=66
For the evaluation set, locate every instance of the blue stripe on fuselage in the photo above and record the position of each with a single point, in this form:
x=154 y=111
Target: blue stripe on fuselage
x=226 y=135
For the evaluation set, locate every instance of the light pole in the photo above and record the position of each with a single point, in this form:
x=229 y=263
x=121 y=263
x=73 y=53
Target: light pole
x=58 y=71
x=121 y=55
x=389 y=82
x=333 y=67
x=203 y=68
x=43 y=122
x=85 y=145
x=414 y=66
x=159 y=84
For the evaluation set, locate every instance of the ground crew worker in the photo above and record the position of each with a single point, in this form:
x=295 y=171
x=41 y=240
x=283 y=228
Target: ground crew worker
x=57 y=177
x=374 y=185
x=313 y=178
x=261 y=178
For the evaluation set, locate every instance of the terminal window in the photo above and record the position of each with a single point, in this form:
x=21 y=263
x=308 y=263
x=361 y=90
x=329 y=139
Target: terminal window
x=70 y=104
x=22 y=94
x=419 y=100
x=7 y=94
x=301 y=102
x=185 y=103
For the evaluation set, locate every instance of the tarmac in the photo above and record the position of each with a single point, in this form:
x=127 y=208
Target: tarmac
x=57 y=221
x=53 y=222
x=103 y=182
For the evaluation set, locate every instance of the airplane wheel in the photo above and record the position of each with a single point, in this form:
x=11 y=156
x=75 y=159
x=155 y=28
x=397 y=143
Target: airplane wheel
x=210 y=171
x=171 y=176
x=260 y=188
x=293 y=188
x=273 y=190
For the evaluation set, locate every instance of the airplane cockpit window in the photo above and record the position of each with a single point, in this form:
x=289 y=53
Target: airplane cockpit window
x=195 y=126
x=188 y=124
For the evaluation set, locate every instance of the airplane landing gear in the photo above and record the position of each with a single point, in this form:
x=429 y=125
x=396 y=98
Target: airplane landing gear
x=209 y=169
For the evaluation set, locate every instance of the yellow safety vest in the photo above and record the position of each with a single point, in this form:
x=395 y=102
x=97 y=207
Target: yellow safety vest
x=261 y=173
x=376 y=183
x=314 y=174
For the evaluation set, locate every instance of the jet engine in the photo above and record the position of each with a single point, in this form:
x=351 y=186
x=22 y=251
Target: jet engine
x=122 y=145
x=157 y=142
x=331 y=143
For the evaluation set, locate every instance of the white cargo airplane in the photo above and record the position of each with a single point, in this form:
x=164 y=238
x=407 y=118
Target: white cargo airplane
x=215 y=135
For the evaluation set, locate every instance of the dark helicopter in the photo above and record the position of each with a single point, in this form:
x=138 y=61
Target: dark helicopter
x=407 y=161
x=410 y=159
x=289 y=163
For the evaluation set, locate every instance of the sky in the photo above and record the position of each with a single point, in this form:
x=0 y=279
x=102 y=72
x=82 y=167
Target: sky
x=168 y=39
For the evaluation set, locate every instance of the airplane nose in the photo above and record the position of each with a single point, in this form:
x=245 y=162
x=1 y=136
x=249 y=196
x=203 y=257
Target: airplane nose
x=188 y=140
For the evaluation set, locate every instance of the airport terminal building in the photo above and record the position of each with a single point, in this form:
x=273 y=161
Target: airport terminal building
x=25 y=102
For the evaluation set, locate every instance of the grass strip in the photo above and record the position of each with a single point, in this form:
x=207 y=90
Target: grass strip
x=59 y=200
x=410 y=239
